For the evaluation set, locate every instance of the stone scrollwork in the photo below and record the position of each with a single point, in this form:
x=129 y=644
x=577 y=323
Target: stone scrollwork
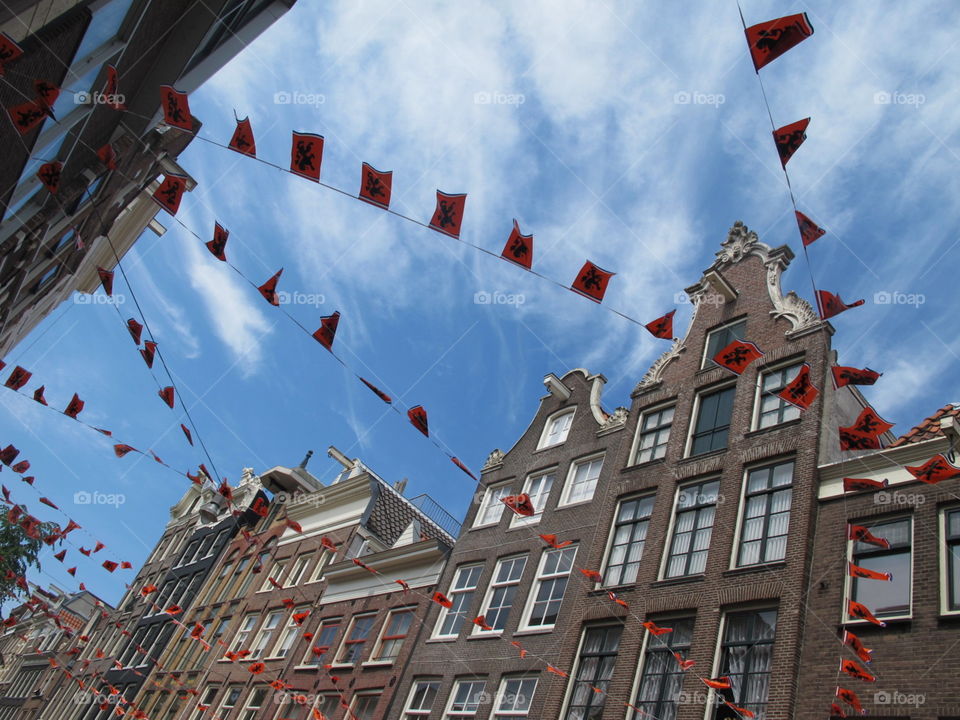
x=617 y=418
x=493 y=459
x=653 y=375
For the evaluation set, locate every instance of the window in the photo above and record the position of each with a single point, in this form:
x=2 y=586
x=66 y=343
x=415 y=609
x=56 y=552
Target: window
x=254 y=703
x=952 y=549
x=766 y=515
x=290 y=634
x=492 y=506
x=322 y=640
x=772 y=409
x=422 y=695
x=627 y=540
x=713 y=421
x=318 y=570
x=265 y=634
x=718 y=339
x=243 y=634
x=465 y=699
x=503 y=588
x=241 y=566
x=356 y=638
x=189 y=552
x=547 y=592
x=556 y=430
x=745 y=657
x=582 y=481
x=395 y=631
x=47 y=277
x=364 y=705
x=230 y=699
x=328 y=703
x=538 y=488
x=220 y=578
x=247 y=578
x=515 y=697
x=461 y=595
x=598 y=653
x=692 y=528
x=662 y=678
x=885 y=598
x=276 y=573
x=654 y=434
x=299 y=570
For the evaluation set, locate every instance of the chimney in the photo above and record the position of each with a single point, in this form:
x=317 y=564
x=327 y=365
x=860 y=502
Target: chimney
x=340 y=458
x=400 y=485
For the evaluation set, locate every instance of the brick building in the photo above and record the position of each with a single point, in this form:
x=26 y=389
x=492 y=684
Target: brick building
x=50 y=246
x=914 y=656
x=696 y=505
x=364 y=626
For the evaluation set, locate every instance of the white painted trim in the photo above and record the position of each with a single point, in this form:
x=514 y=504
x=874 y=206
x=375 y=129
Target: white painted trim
x=655 y=408
x=544 y=433
x=571 y=471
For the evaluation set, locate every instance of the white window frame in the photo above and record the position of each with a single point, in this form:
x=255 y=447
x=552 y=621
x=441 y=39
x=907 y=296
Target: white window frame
x=411 y=712
x=706 y=341
x=944 y=561
x=493 y=497
x=264 y=635
x=845 y=619
x=492 y=586
x=668 y=543
x=758 y=392
x=247 y=624
x=449 y=713
x=539 y=501
x=276 y=572
x=337 y=662
x=317 y=574
x=572 y=678
x=290 y=631
x=363 y=694
x=451 y=593
x=759 y=606
x=608 y=550
x=742 y=507
x=645 y=413
x=249 y=706
x=375 y=658
x=525 y=625
x=548 y=427
x=299 y=570
x=565 y=500
x=695 y=415
x=496 y=713
x=309 y=659
x=226 y=696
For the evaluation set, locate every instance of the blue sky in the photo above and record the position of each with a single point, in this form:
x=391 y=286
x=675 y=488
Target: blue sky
x=632 y=135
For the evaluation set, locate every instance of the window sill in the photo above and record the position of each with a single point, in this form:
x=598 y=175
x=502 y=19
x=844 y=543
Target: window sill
x=640 y=466
x=535 y=631
x=490 y=635
x=377 y=663
x=667 y=582
x=759 y=567
x=340 y=666
x=578 y=503
x=897 y=620
x=773 y=428
x=486 y=525
x=524 y=526
x=549 y=447
x=446 y=639
x=612 y=588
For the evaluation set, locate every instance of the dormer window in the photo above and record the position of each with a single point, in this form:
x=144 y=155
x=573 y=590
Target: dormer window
x=556 y=430
x=718 y=339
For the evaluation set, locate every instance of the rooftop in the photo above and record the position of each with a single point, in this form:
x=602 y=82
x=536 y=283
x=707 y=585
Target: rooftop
x=929 y=428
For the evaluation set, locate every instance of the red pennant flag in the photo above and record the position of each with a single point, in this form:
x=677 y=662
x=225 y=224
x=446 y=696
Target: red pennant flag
x=418 y=418
x=720 y=683
x=851 y=699
x=520 y=504
x=120 y=449
x=18 y=378
x=551 y=540
x=789 y=138
x=449 y=213
x=481 y=622
x=260 y=507
x=556 y=670
x=186 y=433
x=49 y=174
x=257 y=668
x=9 y=51
x=831 y=305
x=47 y=94
x=242 y=140
x=862 y=612
x=810 y=232
x=869 y=423
x=75 y=406
x=855 y=669
x=328 y=330
x=654 y=629
x=853 y=376
x=935 y=470
x=298 y=618
x=863 y=534
x=174 y=610
x=27 y=116
x=684 y=664
x=441 y=599
x=769 y=40
x=516 y=644
x=110 y=565
x=48 y=503
x=124 y=565
x=837 y=711
x=800 y=391
x=72 y=571
x=28 y=479
x=84 y=551
x=613 y=596
x=135 y=329
x=167 y=395
x=404 y=585
x=853 y=642
x=592 y=575
x=294 y=525
x=377 y=391
x=591 y=281
x=519 y=248
x=375 y=186
x=463 y=467
x=854 y=440
x=737 y=355
x=269 y=289
x=743 y=711
x=107 y=157
x=147 y=589
x=327 y=543
x=148 y=351
x=176 y=109
x=38 y=395
x=111 y=95
x=71 y=526
x=106 y=279
x=218 y=245
x=662 y=327
x=862 y=572
x=306 y=155
x=61 y=555
x=170 y=192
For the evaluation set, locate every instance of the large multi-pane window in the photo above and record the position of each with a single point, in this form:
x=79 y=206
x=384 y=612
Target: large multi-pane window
x=718 y=339
x=465 y=699
x=461 y=596
x=582 y=480
x=328 y=703
x=322 y=641
x=395 y=631
x=654 y=434
x=503 y=589
x=291 y=632
x=299 y=570
x=627 y=540
x=364 y=705
x=206 y=700
x=243 y=634
x=746 y=656
x=230 y=699
x=514 y=698
x=356 y=638
x=225 y=589
x=491 y=508
x=548 y=589
x=952 y=548
x=537 y=487
x=692 y=529
x=265 y=636
x=766 y=515
x=772 y=409
x=422 y=695
x=557 y=429
x=276 y=574
x=254 y=703
x=598 y=655
x=713 y=421
x=885 y=598
x=662 y=677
